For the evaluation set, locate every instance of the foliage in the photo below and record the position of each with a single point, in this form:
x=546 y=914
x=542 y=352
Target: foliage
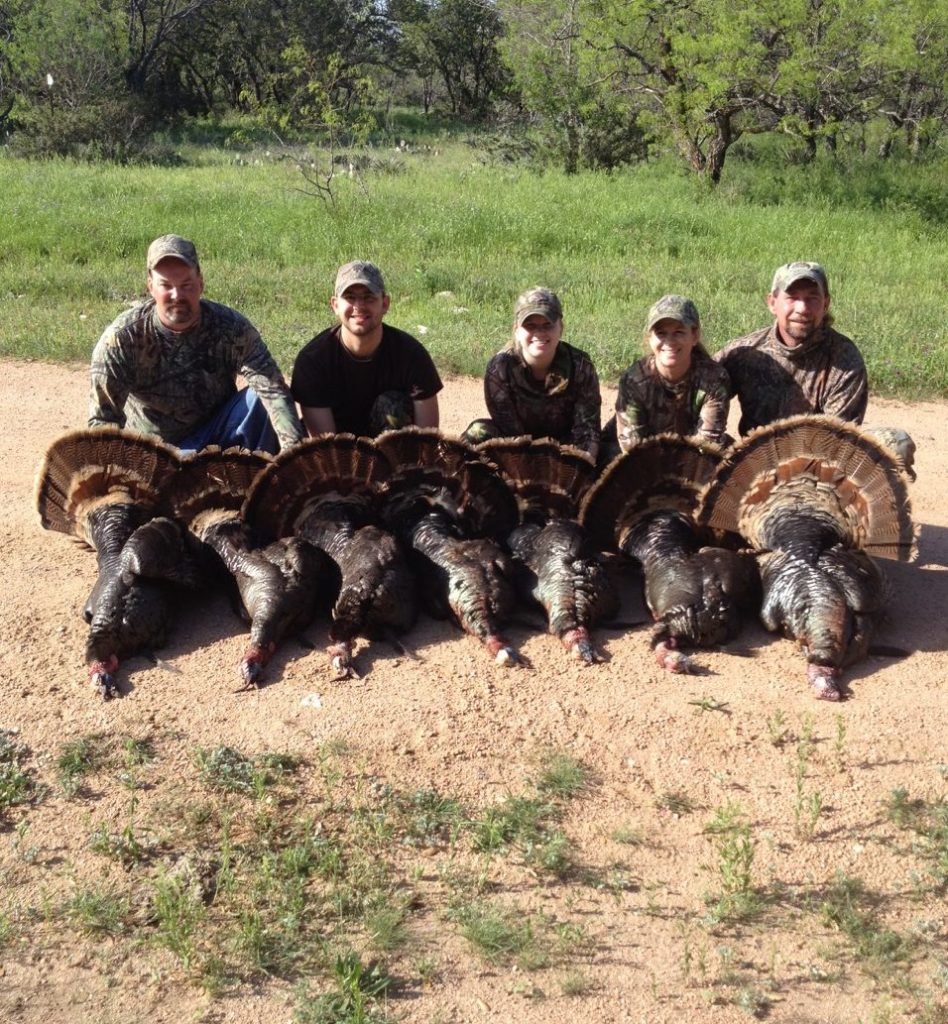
x=458 y=41
x=17 y=784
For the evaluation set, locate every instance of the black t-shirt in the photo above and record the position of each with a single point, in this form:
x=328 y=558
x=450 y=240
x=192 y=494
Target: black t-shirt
x=327 y=376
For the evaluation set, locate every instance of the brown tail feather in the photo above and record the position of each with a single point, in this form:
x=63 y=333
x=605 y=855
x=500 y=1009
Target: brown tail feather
x=451 y=475
x=662 y=472
x=548 y=478
x=337 y=464
x=87 y=468
x=831 y=469
x=212 y=479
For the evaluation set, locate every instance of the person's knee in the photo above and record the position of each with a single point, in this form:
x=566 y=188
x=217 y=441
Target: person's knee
x=480 y=430
x=392 y=410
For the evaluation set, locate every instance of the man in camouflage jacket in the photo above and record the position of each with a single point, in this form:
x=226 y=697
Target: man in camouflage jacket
x=798 y=364
x=169 y=366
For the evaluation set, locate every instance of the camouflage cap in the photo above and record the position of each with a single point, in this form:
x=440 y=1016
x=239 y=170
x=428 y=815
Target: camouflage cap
x=359 y=272
x=175 y=247
x=673 y=307
x=801 y=270
x=540 y=301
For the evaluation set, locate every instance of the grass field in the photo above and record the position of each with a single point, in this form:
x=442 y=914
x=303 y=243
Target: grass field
x=459 y=235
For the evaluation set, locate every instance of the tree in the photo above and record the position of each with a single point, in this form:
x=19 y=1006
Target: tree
x=459 y=41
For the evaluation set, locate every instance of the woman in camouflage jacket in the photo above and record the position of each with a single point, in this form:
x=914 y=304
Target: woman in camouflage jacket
x=540 y=385
x=676 y=388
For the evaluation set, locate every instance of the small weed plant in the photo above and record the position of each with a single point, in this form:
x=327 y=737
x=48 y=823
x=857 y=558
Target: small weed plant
x=17 y=784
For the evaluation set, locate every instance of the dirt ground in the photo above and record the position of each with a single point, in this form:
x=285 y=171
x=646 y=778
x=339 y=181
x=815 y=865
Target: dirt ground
x=455 y=722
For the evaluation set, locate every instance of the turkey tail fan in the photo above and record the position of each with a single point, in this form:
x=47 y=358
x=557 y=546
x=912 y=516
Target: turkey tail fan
x=663 y=472
x=339 y=465
x=91 y=467
x=831 y=470
x=212 y=479
x=451 y=475
x=425 y=448
x=549 y=479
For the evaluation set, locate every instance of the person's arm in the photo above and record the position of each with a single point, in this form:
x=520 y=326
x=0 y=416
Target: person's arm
x=319 y=421
x=714 y=399
x=498 y=397
x=631 y=416
x=586 y=427
x=425 y=412
x=109 y=383
x=261 y=372
x=847 y=392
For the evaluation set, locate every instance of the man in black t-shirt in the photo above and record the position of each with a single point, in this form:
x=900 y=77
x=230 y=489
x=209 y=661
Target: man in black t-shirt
x=362 y=376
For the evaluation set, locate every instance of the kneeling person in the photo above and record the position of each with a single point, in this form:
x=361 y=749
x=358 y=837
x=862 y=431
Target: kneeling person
x=169 y=366
x=362 y=376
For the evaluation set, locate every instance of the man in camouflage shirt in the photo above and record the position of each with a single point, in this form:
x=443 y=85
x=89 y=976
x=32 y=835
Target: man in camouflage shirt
x=169 y=366
x=799 y=364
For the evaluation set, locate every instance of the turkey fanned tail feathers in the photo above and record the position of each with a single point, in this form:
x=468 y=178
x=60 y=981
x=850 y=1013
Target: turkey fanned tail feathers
x=815 y=498
x=104 y=487
x=324 y=492
x=278 y=585
x=556 y=567
x=449 y=507
x=643 y=506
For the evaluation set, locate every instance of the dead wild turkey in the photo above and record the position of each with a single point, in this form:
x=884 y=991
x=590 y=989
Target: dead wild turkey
x=323 y=491
x=643 y=506
x=816 y=497
x=450 y=507
x=556 y=566
x=103 y=487
x=278 y=585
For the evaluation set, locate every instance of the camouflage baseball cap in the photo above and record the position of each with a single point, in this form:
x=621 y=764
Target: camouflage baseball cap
x=673 y=307
x=175 y=247
x=540 y=301
x=801 y=270
x=359 y=272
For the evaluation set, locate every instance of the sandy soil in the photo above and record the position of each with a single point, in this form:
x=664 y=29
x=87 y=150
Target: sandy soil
x=457 y=723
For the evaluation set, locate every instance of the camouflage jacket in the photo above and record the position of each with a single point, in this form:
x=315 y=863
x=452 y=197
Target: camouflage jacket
x=150 y=379
x=565 y=406
x=824 y=375
x=647 y=404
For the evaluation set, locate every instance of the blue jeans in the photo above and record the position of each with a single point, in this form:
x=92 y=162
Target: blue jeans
x=242 y=421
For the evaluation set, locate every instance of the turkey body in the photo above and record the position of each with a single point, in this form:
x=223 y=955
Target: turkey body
x=104 y=487
x=470 y=580
x=324 y=493
x=376 y=597
x=131 y=607
x=557 y=567
x=448 y=506
x=698 y=596
x=643 y=505
x=279 y=586
x=821 y=593
x=557 y=570
x=814 y=496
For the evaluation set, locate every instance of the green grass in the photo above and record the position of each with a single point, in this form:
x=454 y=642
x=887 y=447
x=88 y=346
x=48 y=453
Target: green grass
x=17 y=783
x=75 y=237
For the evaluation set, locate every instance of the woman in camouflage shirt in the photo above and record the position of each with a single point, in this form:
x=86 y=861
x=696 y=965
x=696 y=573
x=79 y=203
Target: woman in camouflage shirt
x=540 y=385
x=677 y=388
